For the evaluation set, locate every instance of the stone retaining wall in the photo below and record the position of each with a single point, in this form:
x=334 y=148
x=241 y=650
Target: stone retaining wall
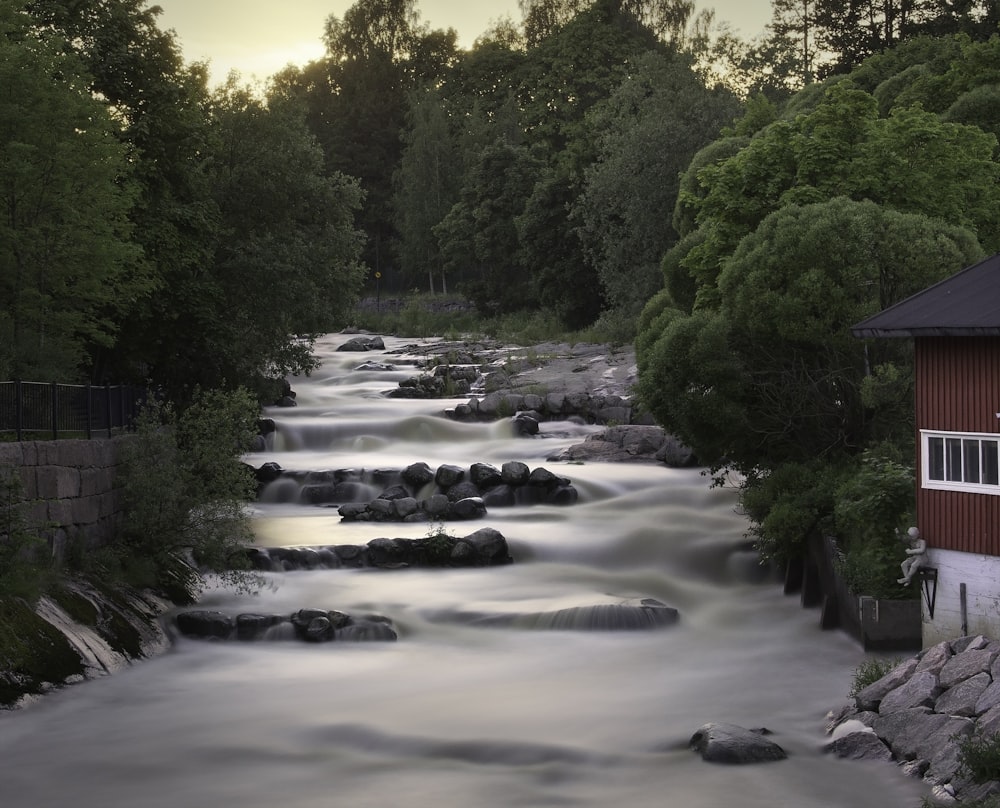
x=69 y=486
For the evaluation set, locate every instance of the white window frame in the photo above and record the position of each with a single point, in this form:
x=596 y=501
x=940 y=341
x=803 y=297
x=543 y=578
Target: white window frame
x=958 y=470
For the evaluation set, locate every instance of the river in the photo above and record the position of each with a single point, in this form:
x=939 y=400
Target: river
x=454 y=714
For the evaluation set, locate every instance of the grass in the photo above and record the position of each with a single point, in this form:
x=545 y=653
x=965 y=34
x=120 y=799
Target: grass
x=869 y=672
x=979 y=757
x=451 y=317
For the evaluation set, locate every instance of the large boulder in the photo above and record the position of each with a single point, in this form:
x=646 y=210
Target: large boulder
x=729 y=743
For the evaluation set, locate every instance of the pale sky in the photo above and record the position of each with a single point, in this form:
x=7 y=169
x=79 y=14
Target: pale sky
x=259 y=37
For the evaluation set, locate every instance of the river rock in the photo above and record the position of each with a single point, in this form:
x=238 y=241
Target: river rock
x=859 y=745
x=920 y=690
x=205 y=624
x=729 y=743
x=308 y=625
x=925 y=708
x=361 y=344
x=484 y=547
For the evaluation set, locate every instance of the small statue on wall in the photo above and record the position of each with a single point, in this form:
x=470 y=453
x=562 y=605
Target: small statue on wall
x=916 y=554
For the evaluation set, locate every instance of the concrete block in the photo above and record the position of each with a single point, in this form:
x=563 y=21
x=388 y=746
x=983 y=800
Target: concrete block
x=58 y=482
x=29 y=453
x=11 y=455
x=96 y=480
x=59 y=512
x=86 y=510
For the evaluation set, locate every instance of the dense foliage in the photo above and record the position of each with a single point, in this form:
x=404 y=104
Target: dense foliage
x=147 y=219
x=864 y=190
x=598 y=160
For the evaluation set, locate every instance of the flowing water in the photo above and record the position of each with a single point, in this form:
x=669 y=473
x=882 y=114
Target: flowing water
x=457 y=714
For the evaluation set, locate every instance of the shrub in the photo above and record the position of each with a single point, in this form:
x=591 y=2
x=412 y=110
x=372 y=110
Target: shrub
x=869 y=672
x=979 y=757
x=185 y=493
x=871 y=505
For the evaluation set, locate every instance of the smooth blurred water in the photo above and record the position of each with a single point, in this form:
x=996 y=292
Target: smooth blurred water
x=455 y=714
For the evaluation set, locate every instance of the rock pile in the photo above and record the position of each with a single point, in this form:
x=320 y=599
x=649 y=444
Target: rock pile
x=309 y=625
x=419 y=493
x=921 y=712
x=484 y=548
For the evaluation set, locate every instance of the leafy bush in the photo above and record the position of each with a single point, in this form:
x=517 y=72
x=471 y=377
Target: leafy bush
x=24 y=570
x=786 y=505
x=185 y=495
x=869 y=672
x=979 y=757
x=871 y=505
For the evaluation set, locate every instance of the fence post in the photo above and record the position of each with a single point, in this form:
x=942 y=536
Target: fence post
x=90 y=411
x=55 y=411
x=107 y=405
x=19 y=409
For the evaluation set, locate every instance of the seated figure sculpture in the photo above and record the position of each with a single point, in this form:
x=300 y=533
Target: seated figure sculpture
x=915 y=555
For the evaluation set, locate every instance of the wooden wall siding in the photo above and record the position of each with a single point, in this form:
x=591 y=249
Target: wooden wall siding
x=958 y=390
x=955 y=520
x=958 y=383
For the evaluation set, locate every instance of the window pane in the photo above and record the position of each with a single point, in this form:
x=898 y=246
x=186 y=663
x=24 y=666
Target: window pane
x=953 y=458
x=935 y=458
x=970 y=466
x=991 y=467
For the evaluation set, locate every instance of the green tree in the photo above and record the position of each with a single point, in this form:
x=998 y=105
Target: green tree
x=69 y=271
x=287 y=263
x=479 y=236
x=843 y=147
x=769 y=379
x=186 y=493
x=427 y=185
x=160 y=105
x=650 y=129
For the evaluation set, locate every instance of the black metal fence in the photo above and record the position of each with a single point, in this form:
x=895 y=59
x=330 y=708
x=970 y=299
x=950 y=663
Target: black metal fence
x=44 y=411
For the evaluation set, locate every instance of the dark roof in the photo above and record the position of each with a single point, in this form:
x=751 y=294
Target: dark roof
x=965 y=305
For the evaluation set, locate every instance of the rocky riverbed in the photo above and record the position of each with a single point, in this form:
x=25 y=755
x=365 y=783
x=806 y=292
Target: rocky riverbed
x=923 y=712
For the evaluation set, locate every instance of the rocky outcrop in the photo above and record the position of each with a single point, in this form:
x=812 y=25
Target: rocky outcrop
x=308 y=625
x=921 y=712
x=483 y=548
x=361 y=344
x=639 y=614
x=419 y=493
x=630 y=444
x=729 y=743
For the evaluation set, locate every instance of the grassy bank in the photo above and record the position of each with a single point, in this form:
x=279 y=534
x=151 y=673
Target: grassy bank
x=452 y=317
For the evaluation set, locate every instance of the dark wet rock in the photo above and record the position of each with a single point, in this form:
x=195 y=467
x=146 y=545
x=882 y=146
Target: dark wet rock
x=729 y=743
x=448 y=475
x=362 y=343
x=514 y=472
x=484 y=475
x=418 y=474
x=468 y=508
x=484 y=547
x=268 y=472
x=308 y=625
x=525 y=423
x=859 y=745
x=462 y=490
x=205 y=624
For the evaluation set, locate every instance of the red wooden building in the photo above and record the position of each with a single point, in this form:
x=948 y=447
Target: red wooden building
x=955 y=325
